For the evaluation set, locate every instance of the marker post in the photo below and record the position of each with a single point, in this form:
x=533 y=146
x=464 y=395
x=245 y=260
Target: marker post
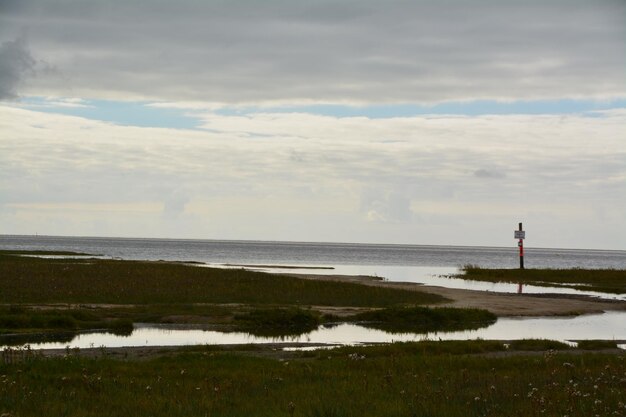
x=521 y=235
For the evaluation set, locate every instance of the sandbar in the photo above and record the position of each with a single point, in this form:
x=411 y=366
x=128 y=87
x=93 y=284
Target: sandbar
x=501 y=304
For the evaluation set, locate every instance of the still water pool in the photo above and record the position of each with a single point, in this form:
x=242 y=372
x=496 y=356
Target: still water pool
x=608 y=326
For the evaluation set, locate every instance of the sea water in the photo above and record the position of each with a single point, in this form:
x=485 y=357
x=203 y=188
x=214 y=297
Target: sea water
x=318 y=254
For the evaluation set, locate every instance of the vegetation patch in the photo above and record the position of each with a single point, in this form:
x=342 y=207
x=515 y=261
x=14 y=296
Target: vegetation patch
x=36 y=280
x=537 y=345
x=21 y=319
x=599 y=280
x=278 y=321
x=48 y=336
x=426 y=347
x=422 y=319
x=363 y=382
x=597 y=344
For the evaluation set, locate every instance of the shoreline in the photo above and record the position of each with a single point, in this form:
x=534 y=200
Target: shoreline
x=501 y=304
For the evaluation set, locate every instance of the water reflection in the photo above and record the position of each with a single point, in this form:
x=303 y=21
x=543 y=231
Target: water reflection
x=39 y=338
x=608 y=326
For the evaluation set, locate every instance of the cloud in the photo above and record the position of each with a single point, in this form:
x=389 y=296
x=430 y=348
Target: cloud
x=264 y=176
x=16 y=64
x=489 y=174
x=382 y=205
x=174 y=204
x=62 y=102
x=325 y=51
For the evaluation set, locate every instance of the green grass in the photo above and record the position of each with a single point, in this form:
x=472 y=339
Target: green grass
x=35 y=280
x=47 y=336
x=426 y=347
x=597 y=344
x=19 y=319
x=537 y=345
x=600 y=280
x=278 y=321
x=403 y=380
x=20 y=324
x=421 y=319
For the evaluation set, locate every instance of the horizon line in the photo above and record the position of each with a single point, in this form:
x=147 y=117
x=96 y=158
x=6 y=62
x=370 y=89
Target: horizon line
x=306 y=242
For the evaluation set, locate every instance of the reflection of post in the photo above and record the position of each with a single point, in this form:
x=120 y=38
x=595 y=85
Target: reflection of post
x=519 y=288
x=521 y=250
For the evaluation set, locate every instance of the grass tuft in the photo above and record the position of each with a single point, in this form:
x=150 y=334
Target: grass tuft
x=278 y=321
x=421 y=319
x=537 y=345
x=597 y=344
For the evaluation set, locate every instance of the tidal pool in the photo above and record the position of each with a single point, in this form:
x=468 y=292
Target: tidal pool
x=607 y=326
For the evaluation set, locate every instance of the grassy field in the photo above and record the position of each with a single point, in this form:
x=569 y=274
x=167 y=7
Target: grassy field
x=409 y=379
x=35 y=280
x=473 y=378
x=600 y=280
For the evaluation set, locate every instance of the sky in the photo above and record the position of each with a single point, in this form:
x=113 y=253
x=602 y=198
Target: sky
x=419 y=122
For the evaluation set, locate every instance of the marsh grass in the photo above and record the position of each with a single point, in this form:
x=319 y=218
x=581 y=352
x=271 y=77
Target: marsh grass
x=164 y=292
x=378 y=381
x=537 y=345
x=28 y=338
x=597 y=344
x=278 y=321
x=425 y=347
x=22 y=318
x=36 y=280
x=600 y=280
x=420 y=319
x=20 y=324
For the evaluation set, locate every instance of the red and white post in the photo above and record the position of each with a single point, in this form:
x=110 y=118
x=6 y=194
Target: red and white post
x=520 y=234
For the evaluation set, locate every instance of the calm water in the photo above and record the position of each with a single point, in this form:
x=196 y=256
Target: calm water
x=319 y=254
x=609 y=326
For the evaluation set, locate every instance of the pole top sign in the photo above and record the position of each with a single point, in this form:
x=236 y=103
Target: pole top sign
x=520 y=234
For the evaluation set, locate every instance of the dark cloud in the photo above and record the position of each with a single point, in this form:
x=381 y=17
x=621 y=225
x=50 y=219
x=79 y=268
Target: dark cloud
x=327 y=50
x=16 y=64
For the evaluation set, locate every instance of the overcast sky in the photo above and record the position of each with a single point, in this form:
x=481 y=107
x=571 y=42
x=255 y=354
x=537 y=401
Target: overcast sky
x=427 y=122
